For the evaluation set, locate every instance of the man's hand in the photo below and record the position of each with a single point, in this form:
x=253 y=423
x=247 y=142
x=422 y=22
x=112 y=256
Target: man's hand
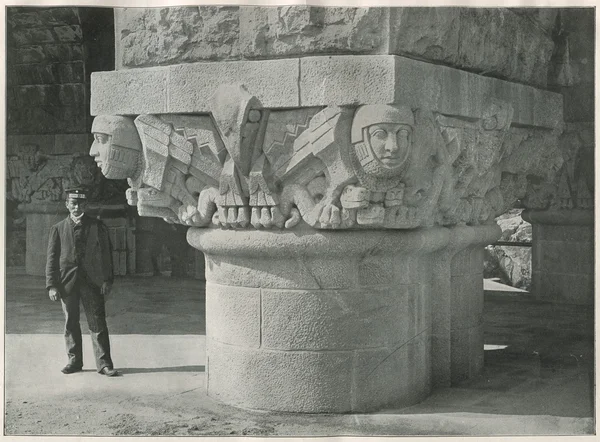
x=106 y=288
x=53 y=294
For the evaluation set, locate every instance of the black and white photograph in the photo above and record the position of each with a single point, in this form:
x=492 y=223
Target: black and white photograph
x=298 y=220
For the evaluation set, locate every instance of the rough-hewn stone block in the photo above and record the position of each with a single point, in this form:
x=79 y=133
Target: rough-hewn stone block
x=235 y=315
x=300 y=273
x=408 y=364
x=67 y=34
x=129 y=92
x=300 y=30
x=63 y=52
x=304 y=382
x=346 y=80
x=160 y=36
x=349 y=80
x=338 y=319
x=29 y=36
x=273 y=82
x=489 y=41
x=14 y=143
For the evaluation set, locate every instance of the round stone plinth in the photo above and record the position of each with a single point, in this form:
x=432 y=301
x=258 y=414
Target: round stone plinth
x=321 y=321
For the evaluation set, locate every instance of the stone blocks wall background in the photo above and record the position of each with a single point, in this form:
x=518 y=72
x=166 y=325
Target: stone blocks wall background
x=51 y=53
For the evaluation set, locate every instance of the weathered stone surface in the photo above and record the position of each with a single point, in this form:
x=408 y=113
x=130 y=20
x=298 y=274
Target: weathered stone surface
x=341 y=320
x=298 y=30
x=145 y=91
x=235 y=315
x=512 y=264
x=340 y=80
x=487 y=41
x=160 y=36
x=490 y=41
x=273 y=82
x=302 y=382
x=365 y=348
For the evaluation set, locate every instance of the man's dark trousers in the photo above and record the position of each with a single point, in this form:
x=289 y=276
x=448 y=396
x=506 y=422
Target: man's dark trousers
x=93 y=306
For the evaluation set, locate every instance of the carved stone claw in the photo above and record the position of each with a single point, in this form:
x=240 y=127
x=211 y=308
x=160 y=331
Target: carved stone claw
x=294 y=219
x=234 y=217
x=330 y=216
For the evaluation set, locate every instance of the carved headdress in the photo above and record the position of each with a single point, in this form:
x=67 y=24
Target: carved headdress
x=370 y=169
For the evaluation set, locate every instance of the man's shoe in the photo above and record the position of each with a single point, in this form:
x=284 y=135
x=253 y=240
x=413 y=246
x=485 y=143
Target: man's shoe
x=109 y=372
x=68 y=369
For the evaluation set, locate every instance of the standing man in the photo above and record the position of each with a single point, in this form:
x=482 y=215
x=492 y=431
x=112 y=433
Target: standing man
x=79 y=267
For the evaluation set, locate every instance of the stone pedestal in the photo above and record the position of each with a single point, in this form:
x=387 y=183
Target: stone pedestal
x=319 y=321
x=562 y=263
x=40 y=217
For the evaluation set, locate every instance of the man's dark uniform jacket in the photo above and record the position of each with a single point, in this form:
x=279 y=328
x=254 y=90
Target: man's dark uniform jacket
x=62 y=267
x=79 y=261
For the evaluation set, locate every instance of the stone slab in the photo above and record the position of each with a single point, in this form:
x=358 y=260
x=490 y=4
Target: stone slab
x=273 y=82
x=310 y=382
x=340 y=319
x=388 y=79
x=136 y=91
x=321 y=81
x=188 y=88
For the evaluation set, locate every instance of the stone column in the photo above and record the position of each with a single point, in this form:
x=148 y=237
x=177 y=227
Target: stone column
x=342 y=202
x=562 y=263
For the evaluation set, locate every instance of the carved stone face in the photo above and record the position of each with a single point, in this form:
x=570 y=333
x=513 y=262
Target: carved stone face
x=116 y=148
x=390 y=143
x=382 y=138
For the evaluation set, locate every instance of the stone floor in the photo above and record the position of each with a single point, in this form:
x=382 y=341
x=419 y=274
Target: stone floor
x=538 y=376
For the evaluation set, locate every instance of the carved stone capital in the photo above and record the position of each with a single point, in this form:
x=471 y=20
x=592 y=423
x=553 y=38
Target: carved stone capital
x=373 y=166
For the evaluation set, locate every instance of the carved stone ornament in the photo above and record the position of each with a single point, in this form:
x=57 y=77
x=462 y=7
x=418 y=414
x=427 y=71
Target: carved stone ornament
x=371 y=166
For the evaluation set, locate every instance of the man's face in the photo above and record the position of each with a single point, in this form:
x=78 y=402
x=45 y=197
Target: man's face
x=100 y=151
x=76 y=206
x=390 y=143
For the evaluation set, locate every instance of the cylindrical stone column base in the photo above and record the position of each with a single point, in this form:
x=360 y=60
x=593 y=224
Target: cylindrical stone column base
x=319 y=321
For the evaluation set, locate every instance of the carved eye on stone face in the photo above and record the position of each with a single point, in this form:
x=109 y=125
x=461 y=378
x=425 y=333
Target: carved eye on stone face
x=101 y=138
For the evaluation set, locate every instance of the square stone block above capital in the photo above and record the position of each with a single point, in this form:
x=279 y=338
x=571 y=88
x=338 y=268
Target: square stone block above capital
x=345 y=80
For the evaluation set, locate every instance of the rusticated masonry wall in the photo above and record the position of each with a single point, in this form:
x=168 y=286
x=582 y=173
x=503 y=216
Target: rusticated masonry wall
x=341 y=169
x=51 y=53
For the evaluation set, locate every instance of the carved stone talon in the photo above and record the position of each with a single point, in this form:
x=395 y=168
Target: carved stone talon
x=232 y=214
x=330 y=216
x=255 y=218
x=222 y=211
x=277 y=217
x=265 y=218
x=243 y=216
x=294 y=219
